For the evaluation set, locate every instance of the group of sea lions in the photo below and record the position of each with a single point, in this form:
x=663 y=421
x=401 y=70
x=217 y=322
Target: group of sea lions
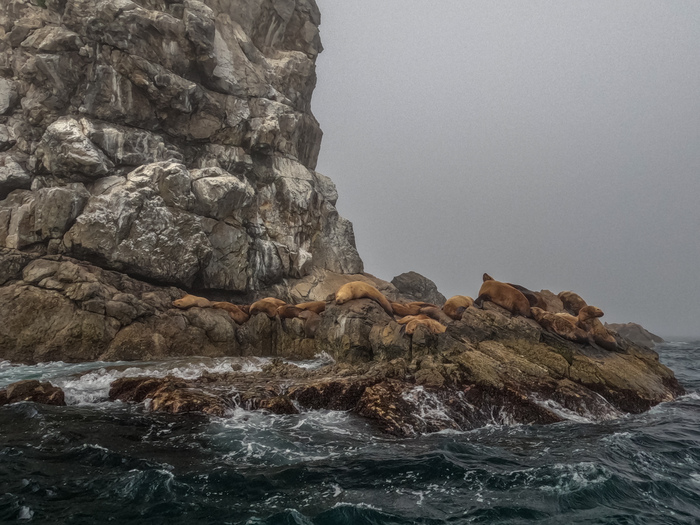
x=581 y=328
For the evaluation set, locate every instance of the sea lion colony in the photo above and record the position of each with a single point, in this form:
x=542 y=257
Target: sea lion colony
x=580 y=324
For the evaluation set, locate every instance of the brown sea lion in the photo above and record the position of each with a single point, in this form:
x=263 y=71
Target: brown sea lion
x=315 y=306
x=433 y=326
x=360 y=290
x=454 y=307
x=572 y=302
x=571 y=318
x=423 y=304
x=233 y=310
x=559 y=325
x=268 y=305
x=504 y=296
x=288 y=311
x=588 y=321
x=409 y=318
x=188 y=301
x=436 y=313
x=311 y=322
x=403 y=310
x=534 y=298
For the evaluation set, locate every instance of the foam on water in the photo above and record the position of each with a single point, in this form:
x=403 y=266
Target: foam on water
x=86 y=383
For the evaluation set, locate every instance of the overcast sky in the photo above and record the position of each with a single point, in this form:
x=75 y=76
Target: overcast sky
x=551 y=144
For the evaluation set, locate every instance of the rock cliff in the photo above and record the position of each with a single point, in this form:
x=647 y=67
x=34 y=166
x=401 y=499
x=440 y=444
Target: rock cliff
x=172 y=141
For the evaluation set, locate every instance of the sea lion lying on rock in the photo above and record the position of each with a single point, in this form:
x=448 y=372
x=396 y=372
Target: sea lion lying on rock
x=234 y=311
x=314 y=306
x=534 y=298
x=436 y=313
x=409 y=318
x=288 y=311
x=433 y=326
x=572 y=302
x=189 y=301
x=454 y=307
x=588 y=321
x=403 y=310
x=362 y=290
x=559 y=325
x=268 y=306
x=505 y=296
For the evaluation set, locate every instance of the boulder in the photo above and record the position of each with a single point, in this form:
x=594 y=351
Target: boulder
x=415 y=287
x=635 y=333
x=34 y=391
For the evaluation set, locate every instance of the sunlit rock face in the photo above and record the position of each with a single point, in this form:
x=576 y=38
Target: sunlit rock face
x=172 y=141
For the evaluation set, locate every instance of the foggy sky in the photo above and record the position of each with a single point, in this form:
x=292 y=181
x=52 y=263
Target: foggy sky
x=551 y=144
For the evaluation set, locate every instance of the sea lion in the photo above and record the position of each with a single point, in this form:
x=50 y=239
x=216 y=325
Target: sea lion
x=433 y=326
x=571 y=318
x=504 y=296
x=315 y=306
x=188 y=301
x=423 y=304
x=268 y=305
x=559 y=325
x=454 y=307
x=288 y=311
x=407 y=319
x=588 y=321
x=436 y=313
x=533 y=298
x=360 y=290
x=233 y=310
x=311 y=322
x=572 y=302
x=403 y=310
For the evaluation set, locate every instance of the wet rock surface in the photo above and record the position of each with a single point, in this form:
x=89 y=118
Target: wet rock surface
x=34 y=391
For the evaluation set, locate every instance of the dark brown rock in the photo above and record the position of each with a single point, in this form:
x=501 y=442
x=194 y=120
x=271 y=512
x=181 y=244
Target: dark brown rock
x=34 y=391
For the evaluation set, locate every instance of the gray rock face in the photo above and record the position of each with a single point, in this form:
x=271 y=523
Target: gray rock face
x=635 y=333
x=172 y=141
x=416 y=287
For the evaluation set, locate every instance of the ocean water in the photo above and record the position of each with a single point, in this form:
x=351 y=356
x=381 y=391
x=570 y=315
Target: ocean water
x=96 y=461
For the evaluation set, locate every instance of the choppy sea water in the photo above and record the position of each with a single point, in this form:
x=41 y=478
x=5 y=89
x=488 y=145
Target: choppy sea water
x=98 y=461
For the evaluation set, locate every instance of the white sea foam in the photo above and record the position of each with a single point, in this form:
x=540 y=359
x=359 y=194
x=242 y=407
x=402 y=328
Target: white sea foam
x=93 y=387
x=604 y=411
x=428 y=406
x=320 y=360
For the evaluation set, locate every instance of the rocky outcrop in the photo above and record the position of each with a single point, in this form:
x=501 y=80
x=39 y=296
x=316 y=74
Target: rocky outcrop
x=489 y=366
x=34 y=391
x=635 y=333
x=172 y=142
x=415 y=287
